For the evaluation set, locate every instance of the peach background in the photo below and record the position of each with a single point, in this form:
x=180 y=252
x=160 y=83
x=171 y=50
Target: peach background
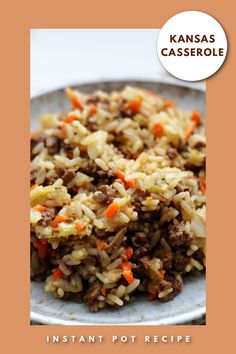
x=16 y=332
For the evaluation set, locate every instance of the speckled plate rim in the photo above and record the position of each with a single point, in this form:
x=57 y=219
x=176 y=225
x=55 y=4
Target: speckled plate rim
x=194 y=317
x=184 y=319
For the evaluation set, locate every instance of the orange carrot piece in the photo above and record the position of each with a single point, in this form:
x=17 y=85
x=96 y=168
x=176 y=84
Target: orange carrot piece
x=158 y=129
x=63 y=129
x=43 y=241
x=128 y=275
x=92 y=110
x=202 y=184
x=70 y=119
x=196 y=117
x=190 y=130
x=42 y=251
x=101 y=245
x=57 y=220
x=34 y=186
x=57 y=273
x=76 y=102
x=112 y=210
x=129 y=252
x=130 y=182
x=103 y=291
x=168 y=103
x=40 y=208
x=120 y=175
x=80 y=226
x=36 y=243
x=133 y=106
x=126 y=266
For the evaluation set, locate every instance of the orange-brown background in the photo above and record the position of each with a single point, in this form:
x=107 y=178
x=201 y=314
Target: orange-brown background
x=17 y=19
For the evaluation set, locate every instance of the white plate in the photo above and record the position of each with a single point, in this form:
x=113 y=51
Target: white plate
x=188 y=306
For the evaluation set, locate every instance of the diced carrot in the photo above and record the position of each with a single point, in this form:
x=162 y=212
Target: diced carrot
x=76 y=102
x=103 y=291
x=36 y=243
x=64 y=129
x=120 y=175
x=57 y=273
x=70 y=119
x=158 y=129
x=133 y=106
x=112 y=210
x=196 y=117
x=128 y=276
x=190 y=130
x=101 y=245
x=202 y=184
x=40 y=208
x=80 y=226
x=151 y=297
x=130 y=182
x=168 y=103
x=42 y=251
x=43 y=241
x=57 y=220
x=129 y=252
x=92 y=110
x=34 y=186
x=126 y=266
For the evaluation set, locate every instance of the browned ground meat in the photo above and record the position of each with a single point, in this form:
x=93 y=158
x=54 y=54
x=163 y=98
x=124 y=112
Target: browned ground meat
x=177 y=236
x=47 y=217
x=92 y=293
x=166 y=257
x=68 y=176
x=140 y=239
x=180 y=261
x=105 y=195
x=52 y=143
x=176 y=285
x=171 y=153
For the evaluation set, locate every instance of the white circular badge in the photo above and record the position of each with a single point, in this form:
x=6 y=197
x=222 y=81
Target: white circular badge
x=192 y=45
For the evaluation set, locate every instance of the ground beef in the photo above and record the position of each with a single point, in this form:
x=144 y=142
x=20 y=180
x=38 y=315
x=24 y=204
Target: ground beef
x=52 y=143
x=139 y=196
x=90 y=260
x=47 y=216
x=140 y=252
x=68 y=176
x=134 y=226
x=140 y=239
x=92 y=293
x=68 y=149
x=177 y=236
x=175 y=284
x=199 y=255
x=166 y=258
x=105 y=195
x=34 y=141
x=89 y=169
x=101 y=233
x=180 y=261
x=171 y=153
x=157 y=286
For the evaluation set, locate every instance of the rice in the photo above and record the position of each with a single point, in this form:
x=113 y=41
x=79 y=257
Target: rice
x=117 y=198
